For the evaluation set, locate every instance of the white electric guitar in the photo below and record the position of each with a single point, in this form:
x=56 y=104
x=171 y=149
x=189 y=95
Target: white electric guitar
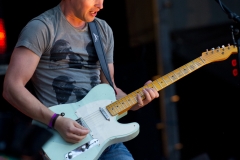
x=99 y=112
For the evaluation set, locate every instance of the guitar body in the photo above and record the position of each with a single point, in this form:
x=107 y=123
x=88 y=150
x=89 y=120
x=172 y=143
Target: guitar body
x=104 y=130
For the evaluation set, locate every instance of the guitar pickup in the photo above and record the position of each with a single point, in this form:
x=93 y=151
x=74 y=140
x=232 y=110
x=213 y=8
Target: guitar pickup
x=81 y=149
x=104 y=113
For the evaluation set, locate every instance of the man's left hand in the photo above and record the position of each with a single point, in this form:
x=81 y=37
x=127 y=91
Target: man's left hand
x=149 y=93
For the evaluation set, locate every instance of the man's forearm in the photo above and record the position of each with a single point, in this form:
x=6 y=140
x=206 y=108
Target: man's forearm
x=20 y=98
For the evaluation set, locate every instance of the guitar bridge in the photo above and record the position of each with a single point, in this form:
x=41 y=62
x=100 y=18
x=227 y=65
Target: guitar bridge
x=81 y=149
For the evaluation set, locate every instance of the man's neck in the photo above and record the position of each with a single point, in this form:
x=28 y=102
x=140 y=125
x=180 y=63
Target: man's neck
x=70 y=16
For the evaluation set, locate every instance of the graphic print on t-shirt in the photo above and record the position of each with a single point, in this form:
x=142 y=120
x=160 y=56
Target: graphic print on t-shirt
x=62 y=56
x=64 y=87
x=92 y=54
x=94 y=81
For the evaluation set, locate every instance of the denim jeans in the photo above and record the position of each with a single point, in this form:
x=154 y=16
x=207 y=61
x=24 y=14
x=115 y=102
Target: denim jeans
x=116 y=152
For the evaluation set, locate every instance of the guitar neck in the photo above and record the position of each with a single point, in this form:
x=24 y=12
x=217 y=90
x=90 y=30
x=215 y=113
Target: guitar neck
x=124 y=104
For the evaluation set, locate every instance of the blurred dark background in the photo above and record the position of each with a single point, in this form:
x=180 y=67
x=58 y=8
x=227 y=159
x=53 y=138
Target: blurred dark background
x=195 y=118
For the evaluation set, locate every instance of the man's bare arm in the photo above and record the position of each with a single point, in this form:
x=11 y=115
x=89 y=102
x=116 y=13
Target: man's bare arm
x=21 y=68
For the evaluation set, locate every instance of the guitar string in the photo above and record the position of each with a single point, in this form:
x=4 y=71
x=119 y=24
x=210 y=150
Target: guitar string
x=90 y=116
x=93 y=116
x=86 y=119
x=93 y=119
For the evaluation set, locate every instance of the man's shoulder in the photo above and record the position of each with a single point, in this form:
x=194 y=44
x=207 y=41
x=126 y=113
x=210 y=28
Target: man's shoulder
x=50 y=16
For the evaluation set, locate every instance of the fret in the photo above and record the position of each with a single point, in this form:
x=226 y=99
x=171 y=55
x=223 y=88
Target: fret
x=167 y=80
x=116 y=106
x=134 y=98
x=159 y=83
x=191 y=66
x=131 y=99
x=123 y=102
x=134 y=95
x=139 y=92
x=128 y=100
x=113 y=111
x=203 y=62
x=179 y=73
x=145 y=87
x=169 y=77
x=195 y=63
x=173 y=77
x=155 y=84
x=199 y=62
x=163 y=83
x=185 y=71
x=152 y=86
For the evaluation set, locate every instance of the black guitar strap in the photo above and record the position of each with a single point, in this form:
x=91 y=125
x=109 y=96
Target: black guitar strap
x=100 y=52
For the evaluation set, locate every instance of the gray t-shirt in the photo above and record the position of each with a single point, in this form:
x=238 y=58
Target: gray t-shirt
x=69 y=66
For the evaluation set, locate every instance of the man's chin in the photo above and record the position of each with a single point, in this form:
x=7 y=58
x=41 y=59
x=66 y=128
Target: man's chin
x=90 y=20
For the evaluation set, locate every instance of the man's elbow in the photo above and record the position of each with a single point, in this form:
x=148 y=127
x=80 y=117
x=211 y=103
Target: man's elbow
x=5 y=93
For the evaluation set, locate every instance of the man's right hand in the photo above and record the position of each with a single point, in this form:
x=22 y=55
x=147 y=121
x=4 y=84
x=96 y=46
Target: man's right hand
x=70 y=130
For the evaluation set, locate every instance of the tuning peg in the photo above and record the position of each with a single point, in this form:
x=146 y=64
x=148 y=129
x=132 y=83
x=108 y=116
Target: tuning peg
x=223 y=47
x=213 y=49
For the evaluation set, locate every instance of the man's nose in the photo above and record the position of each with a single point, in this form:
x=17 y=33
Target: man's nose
x=99 y=4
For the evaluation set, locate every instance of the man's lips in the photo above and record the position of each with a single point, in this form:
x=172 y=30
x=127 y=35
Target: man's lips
x=94 y=13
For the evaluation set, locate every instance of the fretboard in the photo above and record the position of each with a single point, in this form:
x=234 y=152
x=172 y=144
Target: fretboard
x=124 y=104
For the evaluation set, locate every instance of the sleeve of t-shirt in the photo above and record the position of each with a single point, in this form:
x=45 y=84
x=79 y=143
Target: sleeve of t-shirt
x=34 y=36
x=110 y=47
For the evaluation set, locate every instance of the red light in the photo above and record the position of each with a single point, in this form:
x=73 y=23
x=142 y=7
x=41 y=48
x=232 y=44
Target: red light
x=3 y=44
x=235 y=72
x=234 y=62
